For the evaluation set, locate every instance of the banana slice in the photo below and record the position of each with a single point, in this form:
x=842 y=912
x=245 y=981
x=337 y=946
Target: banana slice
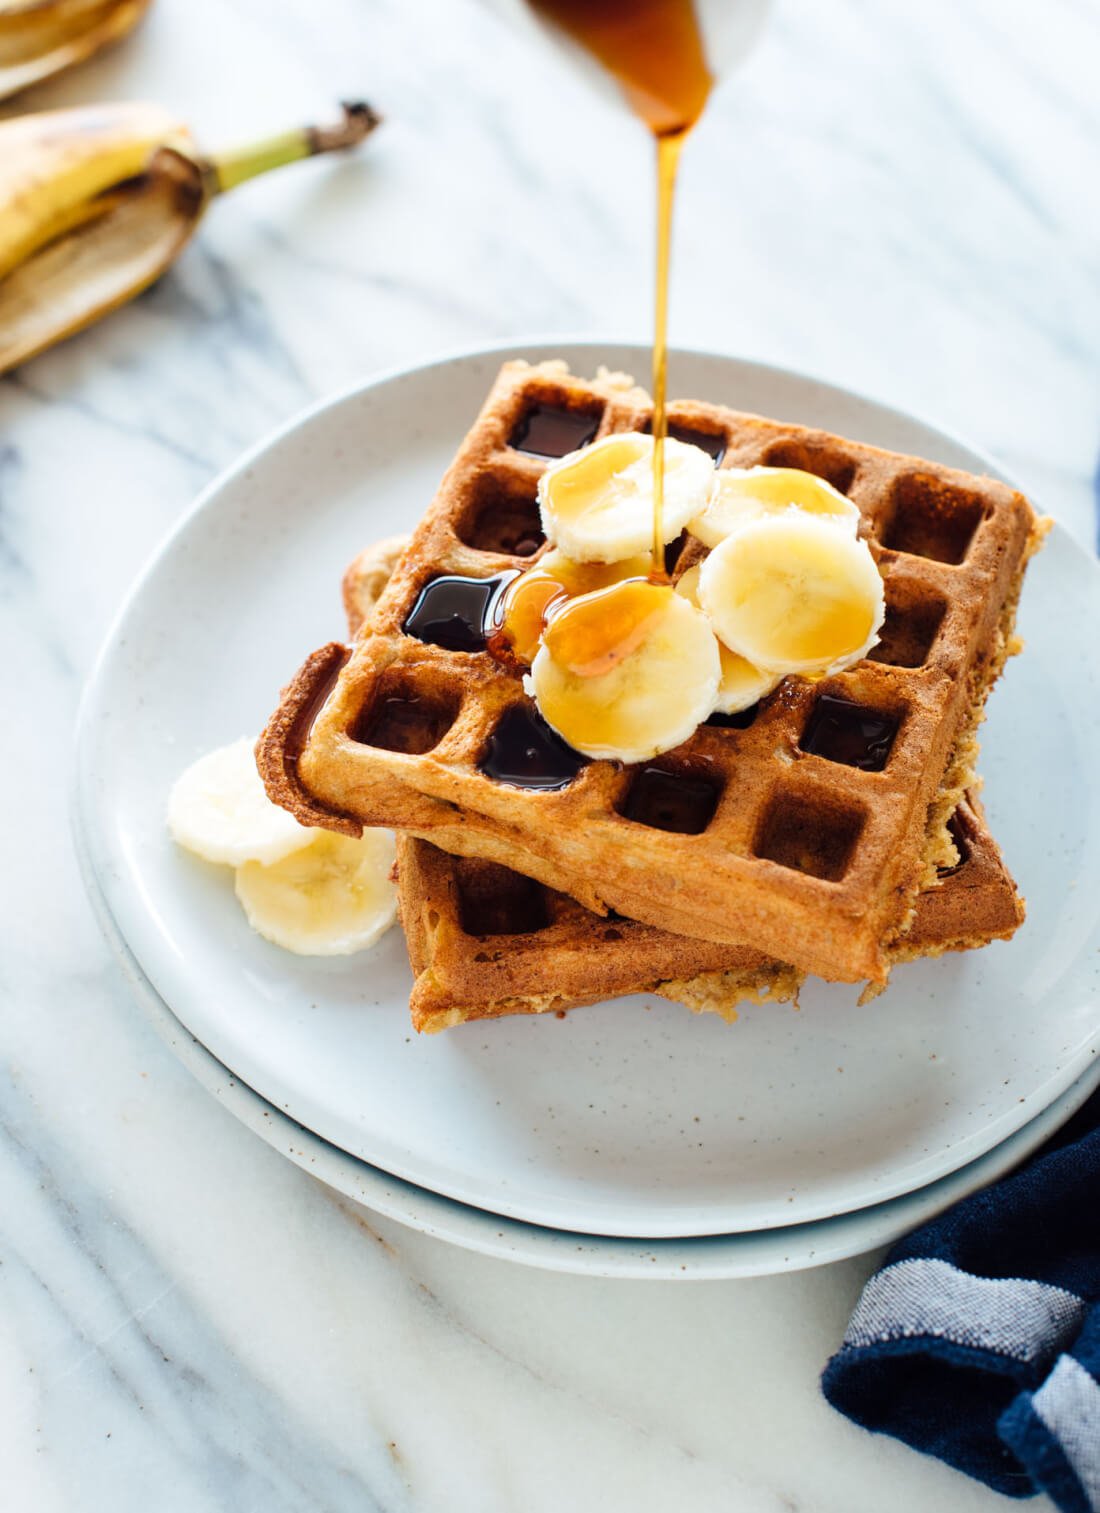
x=597 y=504
x=742 y=684
x=739 y=495
x=329 y=899
x=793 y=594
x=531 y=598
x=627 y=672
x=219 y=810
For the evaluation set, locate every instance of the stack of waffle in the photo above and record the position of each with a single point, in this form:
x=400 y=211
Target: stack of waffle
x=833 y=829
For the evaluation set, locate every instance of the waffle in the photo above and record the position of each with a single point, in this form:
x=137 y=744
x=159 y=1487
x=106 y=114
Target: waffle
x=813 y=861
x=485 y=941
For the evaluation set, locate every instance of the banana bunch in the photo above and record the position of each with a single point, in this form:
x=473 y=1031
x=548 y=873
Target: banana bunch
x=39 y=38
x=96 y=203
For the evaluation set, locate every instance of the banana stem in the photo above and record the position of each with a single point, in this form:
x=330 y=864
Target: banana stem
x=240 y=164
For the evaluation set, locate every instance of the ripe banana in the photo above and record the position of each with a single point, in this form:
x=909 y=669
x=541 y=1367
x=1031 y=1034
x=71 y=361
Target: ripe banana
x=793 y=594
x=626 y=672
x=530 y=600
x=331 y=898
x=220 y=810
x=597 y=504
x=309 y=891
x=39 y=38
x=739 y=495
x=96 y=203
x=742 y=685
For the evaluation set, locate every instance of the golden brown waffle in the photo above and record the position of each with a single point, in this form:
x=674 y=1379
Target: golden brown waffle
x=813 y=861
x=366 y=577
x=485 y=941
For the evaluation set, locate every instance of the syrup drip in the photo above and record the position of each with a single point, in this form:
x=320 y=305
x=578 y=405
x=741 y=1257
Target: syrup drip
x=841 y=731
x=332 y=665
x=525 y=752
x=458 y=613
x=533 y=599
x=668 y=160
x=548 y=432
x=655 y=50
x=527 y=607
x=589 y=637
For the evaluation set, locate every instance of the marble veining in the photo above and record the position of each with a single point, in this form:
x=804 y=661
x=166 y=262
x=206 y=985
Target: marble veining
x=894 y=197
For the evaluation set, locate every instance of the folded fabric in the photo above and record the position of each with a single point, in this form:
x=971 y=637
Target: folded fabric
x=978 y=1340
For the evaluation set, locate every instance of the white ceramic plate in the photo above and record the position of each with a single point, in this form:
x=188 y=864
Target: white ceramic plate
x=704 y=1259
x=630 y=1119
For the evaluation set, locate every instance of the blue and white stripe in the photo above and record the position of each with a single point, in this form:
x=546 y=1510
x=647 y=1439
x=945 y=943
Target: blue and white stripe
x=1014 y=1317
x=1043 y=1337
x=1068 y=1403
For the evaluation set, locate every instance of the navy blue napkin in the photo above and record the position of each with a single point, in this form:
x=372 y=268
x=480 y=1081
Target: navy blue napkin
x=978 y=1340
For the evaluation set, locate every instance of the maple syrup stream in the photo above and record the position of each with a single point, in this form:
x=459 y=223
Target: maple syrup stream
x=668 y=161
x=654 y=48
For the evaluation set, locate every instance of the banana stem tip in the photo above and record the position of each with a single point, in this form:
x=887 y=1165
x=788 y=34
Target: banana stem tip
x=358 y=121
x=228 y=169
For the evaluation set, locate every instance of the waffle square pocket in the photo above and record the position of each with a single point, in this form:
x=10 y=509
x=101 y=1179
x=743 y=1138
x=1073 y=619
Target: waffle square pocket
x=806 y=830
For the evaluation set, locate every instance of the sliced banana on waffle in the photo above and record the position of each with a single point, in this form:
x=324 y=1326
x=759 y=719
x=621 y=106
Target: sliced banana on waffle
x=219 y=810
x=739 y=495
x=329 y=899
x=793 y=594
x=531 y=598
x=597 y=504
x=627 y=672
x=742 y=685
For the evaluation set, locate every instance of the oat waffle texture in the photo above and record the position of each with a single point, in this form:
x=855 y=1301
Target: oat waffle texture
x=485 y=941
x=812 y=861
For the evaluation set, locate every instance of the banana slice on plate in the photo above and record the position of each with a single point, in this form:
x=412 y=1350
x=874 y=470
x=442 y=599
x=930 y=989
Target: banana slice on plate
x=329 y=899
x=218 y=809
x=742 y=685
x=792 y=594
x=597 y=504
x=627 y=672
x=739 y=495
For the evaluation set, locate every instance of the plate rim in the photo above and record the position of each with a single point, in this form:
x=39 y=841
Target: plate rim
x=207 y=498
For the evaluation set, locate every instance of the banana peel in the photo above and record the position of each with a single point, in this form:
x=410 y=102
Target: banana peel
x=97 y=202
x=40 y=38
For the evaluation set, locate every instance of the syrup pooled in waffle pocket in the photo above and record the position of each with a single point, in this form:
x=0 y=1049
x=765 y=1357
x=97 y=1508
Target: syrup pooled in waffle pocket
x=803 y=827
x=486 y=941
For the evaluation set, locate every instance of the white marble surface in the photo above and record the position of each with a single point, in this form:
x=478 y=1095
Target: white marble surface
x=896 y=197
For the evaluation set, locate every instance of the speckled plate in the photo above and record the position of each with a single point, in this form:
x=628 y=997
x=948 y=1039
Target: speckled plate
x=633 y=1119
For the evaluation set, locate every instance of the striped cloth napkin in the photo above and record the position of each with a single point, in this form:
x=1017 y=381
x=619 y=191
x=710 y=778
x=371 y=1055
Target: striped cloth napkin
x=978 y=1340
